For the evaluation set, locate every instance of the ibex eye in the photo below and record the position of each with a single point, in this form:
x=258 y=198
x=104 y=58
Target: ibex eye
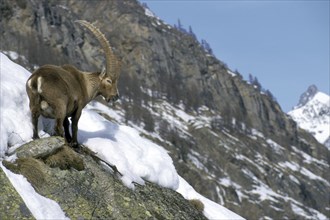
x=109 y=81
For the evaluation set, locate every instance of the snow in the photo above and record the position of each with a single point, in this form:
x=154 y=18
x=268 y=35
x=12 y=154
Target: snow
x=12 y=54
x=298 y=210
x=15 y=126
x=159 y=22
x=314 y=116
x=196 y=158
x=295 y=167
x=137 y=158
x=231 y=73
x=149 y=13
x=275 y=146
x=257 y=133
x=301 y=212
x=212 y=210
x=266 y=193
x=309 y=159
x=251 y=162
x=98 y=107
x=322 y=97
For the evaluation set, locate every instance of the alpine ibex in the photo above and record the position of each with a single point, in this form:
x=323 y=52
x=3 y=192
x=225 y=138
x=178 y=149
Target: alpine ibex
x=60 y=92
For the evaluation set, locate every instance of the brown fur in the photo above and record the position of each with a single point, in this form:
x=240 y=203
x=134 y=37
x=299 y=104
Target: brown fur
x=61 y=92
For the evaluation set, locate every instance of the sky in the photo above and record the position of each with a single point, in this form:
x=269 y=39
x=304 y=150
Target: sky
x=285 y=44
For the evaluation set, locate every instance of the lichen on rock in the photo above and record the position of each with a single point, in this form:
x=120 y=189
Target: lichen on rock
x=85 y=189
x=40 y=148
x=11 y=204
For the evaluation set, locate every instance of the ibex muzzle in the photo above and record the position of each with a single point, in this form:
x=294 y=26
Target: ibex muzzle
x=61 y=92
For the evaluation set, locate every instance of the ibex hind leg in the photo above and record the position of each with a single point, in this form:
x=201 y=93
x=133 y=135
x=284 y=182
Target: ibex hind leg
x=35 y=113
x=74 y=127
x=66 y=125
x=59 y=131
x=35 y=117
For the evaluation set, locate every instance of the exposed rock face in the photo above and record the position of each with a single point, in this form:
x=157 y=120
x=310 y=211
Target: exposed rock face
x=11 y=204
x=87 y=190
x=40 y=148
x=307 y=96
x=153 y=51
x=246 y=155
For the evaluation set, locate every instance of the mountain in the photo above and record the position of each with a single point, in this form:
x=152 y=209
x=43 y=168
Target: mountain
x=117 y=175
x=228 y=139
x=313 y=114
x=307 y=96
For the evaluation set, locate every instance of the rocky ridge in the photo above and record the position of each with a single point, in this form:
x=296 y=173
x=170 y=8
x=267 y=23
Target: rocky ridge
x=230 y=141
x=306 y=96
x=85 y=189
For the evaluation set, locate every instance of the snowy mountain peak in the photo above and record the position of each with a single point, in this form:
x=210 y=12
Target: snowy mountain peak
x=306 y=96
x=313 y=114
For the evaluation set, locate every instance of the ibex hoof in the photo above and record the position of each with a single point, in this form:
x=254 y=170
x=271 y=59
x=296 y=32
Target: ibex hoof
x=76 y=147
x=68 y=139
x=35 y=137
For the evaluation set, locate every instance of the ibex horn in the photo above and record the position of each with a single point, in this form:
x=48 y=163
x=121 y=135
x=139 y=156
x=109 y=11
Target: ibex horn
x=111 y=59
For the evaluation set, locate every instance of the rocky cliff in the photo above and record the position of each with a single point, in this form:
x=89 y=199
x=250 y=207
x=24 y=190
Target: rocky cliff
x=84 y=189
x=232 y=142
x=154 y=52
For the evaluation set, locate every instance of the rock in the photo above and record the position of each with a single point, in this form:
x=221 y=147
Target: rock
x=11 y=204
x=40 y=147
x=85 y=189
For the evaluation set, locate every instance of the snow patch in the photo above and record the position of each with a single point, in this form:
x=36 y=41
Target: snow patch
x=309 y=159
x=314 y=116
x=231 y=73
x=135 y=157
x=15 y=126
x=275 y=146
x=12 y=54
x=149 y=13
x=257 y=133
x=295 y=167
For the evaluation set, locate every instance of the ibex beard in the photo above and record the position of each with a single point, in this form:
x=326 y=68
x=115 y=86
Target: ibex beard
x=61 y=92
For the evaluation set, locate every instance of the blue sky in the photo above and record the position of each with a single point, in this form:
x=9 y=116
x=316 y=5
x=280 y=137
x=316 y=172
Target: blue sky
x=285 y=44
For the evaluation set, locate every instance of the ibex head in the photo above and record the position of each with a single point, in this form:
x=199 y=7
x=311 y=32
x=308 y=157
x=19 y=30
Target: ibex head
x=109 y=76
x=108 y=87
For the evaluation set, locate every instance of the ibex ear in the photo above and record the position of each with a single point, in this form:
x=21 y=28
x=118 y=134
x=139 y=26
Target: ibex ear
x=102 y=74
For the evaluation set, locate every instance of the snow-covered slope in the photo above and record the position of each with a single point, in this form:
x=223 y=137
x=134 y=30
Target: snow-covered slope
x=14 y=102
x=313 y=114
x=137 y=158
